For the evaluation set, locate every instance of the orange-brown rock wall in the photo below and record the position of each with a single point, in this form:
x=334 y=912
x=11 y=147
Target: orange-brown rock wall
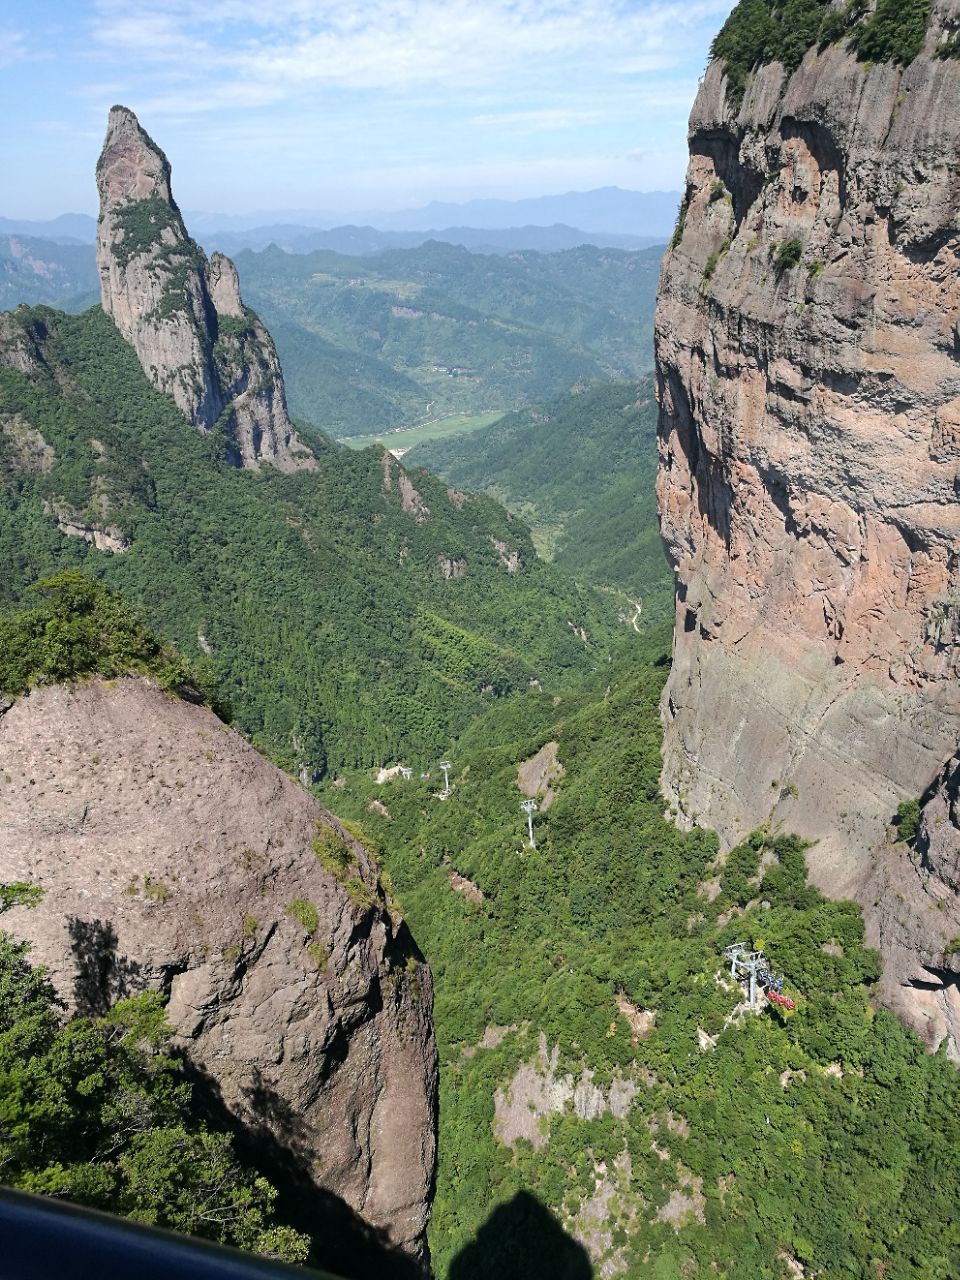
x=808 y=486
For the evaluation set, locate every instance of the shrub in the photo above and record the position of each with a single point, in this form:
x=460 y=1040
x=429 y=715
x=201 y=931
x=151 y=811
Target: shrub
x=78 y=627
x=333 y=852
x=907 y=821
x=787 y=255
x=305 y=913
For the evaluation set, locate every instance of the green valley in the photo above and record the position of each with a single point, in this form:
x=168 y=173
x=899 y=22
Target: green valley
x=350 y=613
x=373 y=343
x=406 y=438
x=580 y=470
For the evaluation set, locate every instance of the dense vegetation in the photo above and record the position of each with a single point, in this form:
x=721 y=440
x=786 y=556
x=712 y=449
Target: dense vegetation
x=763 y=31
x=376 y=342
x=78 y=627
x=580 y=471
x=351 y=615
x=95 y=1110
x=824 y=1136
x=344 y=623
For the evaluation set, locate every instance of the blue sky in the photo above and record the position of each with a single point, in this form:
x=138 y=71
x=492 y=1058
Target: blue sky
x=316 y=104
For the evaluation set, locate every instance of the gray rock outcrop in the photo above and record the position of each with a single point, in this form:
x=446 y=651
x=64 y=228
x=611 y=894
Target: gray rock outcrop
x=809 y=380
x=173 y=856
x=938 y=837
x=183 y=315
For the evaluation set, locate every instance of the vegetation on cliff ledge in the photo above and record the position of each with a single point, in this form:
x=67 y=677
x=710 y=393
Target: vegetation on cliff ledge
x=762 y=31
x=140 y=225
x=76 y=627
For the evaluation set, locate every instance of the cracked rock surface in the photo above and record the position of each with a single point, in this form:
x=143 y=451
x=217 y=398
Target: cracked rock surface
x=808 y=484
x=174 y=857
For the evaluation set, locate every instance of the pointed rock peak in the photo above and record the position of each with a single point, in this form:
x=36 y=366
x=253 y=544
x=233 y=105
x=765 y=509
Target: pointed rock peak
x=224 y=286
x=179 y=312
x=131 y=166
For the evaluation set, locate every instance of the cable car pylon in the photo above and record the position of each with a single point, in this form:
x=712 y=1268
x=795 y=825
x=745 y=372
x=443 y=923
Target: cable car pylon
x=753 y=968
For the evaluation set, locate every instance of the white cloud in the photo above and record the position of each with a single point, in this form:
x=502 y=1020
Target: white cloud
x=13 y=47
x=342 y=103
x=280 y=49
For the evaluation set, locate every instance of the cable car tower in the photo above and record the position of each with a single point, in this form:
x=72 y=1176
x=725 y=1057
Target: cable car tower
x=753 y=968
x=529 y=807
x=446 y=766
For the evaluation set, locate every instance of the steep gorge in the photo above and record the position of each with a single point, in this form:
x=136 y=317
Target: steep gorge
x=808 y=338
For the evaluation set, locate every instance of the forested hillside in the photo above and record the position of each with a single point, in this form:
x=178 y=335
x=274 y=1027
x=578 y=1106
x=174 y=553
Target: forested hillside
x=601 y=1081
x=580 y=470
x=392 y=338
x=349 y=614
x=374 y=342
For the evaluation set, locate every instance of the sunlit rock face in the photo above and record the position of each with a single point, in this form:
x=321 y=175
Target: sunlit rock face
x=807 y=356
x=182 y=314
x=174 y=857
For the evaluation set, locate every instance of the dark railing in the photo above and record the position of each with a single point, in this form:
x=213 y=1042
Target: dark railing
x=43 y=1239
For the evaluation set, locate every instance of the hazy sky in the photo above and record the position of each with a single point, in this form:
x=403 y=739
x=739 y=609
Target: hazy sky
x=317 y=104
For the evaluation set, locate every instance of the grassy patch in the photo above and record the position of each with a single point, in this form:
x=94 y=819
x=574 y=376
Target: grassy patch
x=406 y=437
x=305 y=913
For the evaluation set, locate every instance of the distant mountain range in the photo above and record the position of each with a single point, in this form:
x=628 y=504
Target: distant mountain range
x=608 y=217
x=361 y=241
x=69 y=228
x=607 y=209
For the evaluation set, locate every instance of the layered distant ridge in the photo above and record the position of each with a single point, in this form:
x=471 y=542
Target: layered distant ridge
x=183 y=315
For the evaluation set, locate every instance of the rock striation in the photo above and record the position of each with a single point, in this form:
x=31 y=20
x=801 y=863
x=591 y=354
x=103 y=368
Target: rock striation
x=174 y=857
x=183 y=315
x=808 y=364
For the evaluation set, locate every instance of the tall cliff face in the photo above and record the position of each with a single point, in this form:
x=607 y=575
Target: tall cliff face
x=173 y=856
x=808 y=355
x=183 y=315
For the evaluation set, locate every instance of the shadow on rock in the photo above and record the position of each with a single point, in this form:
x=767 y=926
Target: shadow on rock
x=522 y=1240
x=342 y=1241
x=103 y=976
